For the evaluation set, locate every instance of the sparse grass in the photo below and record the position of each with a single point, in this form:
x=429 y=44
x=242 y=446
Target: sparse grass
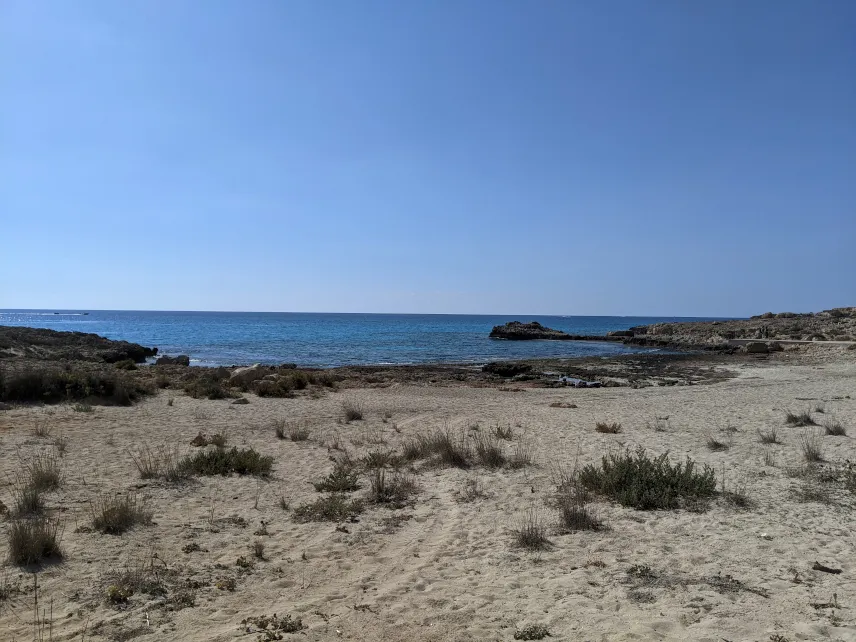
x=220 y=461
x=771 y=436
x=331 y=508
x=811 y=448
x=279 y=427
x=503 y=432
x=82 y=407
x=395 y=489
x=42 y=471
x=769 y=458
x=819 y=408
x=522 y=455
x=282 y=502
x=575 y=514
x=298 y=432
x=716 y=445
x=488 y=450
x=644 y=483
x=799 y=419
x=28 y=500
x=449 y=449
x=811 y=491
x=381 y=459
x=352 y=410
x=218 y=439
x=61 y=444
x=609 y=428
x=833 y=428
x=470 y=491
x=738 y=495
x=32 y=541
x=532 y=632
x=343 y=479
x=160 y=463
x=531 y=534
x=116 y=514
x=274 y=626
x=259 y=550
x=42 y=429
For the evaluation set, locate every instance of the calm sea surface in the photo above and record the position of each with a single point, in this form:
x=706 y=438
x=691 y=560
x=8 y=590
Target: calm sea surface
x=310 y=339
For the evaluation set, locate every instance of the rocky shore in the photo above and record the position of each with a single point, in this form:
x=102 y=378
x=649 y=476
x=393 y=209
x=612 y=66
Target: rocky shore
x=52 y=345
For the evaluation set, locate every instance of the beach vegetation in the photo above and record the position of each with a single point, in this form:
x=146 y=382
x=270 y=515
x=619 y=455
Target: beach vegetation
x=115 y=514
x=32 y=541
x=54 y=385
x=219 y=461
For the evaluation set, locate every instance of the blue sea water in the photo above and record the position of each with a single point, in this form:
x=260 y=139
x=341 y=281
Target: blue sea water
x=325 y=340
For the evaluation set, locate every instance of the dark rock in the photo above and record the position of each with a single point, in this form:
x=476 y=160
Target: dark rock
x=506 y=369
x=40 y=343
x=180 y=360
x=756 y=347
x=775 y=346
x=5 y=406
x=240 y=401
x=517 y=331
x=620 y=333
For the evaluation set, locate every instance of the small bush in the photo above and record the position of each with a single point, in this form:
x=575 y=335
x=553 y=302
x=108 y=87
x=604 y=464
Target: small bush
x=33 y=540
x=799 y=420
x=82 y=407
x=643 y=483
x=49 y=385
x=532 y=632
x=575 y=514
x=811 y=447
x=769 y=437
x=206 y=387
x=220 y=461
x=450 y=450
x=259 y=550
x=42 y=429
x=833 y=428
x=332 y=508
x=531 y=534
x=279 y=427
x=488 y=450
x=394 y=490
x=114 y=514
x=470 y=491
x=342 y=480
x=352 y=410
x=126 y=364
x=381 y=459
x=610 y=428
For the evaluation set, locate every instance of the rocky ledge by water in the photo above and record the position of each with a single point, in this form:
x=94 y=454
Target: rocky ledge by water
x=519 y=331
x=39 y=343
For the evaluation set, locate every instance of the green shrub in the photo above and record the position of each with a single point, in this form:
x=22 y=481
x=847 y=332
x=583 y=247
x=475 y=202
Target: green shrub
x=532 y=632
x=643 y=483
x=50 y=385
x=206 y=387
x=341 y=480
x=331 y=508
x=220 y=461
x=126 y=364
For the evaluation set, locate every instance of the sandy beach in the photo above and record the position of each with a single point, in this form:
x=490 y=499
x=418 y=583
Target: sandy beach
x=445 y=566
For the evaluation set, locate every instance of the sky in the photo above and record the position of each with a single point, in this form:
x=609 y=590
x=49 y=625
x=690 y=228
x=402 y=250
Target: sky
x=624 y=157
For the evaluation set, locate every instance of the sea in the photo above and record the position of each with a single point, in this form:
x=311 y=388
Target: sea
x=329 y=340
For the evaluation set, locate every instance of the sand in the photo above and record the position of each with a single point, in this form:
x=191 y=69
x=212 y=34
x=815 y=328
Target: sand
x=443 y=568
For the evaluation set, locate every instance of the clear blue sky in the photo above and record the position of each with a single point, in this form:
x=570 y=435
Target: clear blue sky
x=495 y=156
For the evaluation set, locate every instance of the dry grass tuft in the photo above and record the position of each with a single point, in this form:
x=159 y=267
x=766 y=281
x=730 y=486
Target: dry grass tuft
x=32 y=541
x=609 y=428
x=771 y=436
x=160 y=463
x=352 y=410
x=531 y=534
x=799 y=420
x=810 y=446
x=716 y=445
x=488 y=450
x=116 y=514
x=394 y=490
x=42 y=471
x=833 y=428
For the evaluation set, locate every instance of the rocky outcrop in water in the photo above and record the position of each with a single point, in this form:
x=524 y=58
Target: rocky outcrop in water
x=519 y=331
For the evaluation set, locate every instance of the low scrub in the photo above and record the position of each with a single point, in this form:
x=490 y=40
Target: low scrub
x=48 y=385
x=219 y=461
x=488 y=450
x=609 y=428
x=342 y=480
x=159 y=463
x=28 y=500
x=42 y=471
x=207 y=387
x=770 y=436
x=575 y=514
x=638 y=481
x=115 y=514
x=716 y=445
x=352 y=410
x=799 y=419
x=32 y=541
x=331 y=508
x=448 y=449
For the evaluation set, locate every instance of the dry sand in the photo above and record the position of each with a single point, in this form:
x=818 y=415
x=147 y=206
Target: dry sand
x=444 y=569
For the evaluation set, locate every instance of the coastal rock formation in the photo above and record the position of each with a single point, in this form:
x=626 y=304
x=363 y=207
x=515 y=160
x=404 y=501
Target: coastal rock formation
x=248 y=375
x=43 y=344
x=518 y=331
x=180 y=360
x=506 y=369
